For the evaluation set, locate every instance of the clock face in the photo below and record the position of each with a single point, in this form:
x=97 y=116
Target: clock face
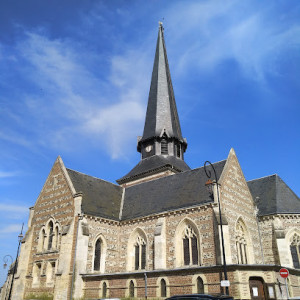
x=148 y=148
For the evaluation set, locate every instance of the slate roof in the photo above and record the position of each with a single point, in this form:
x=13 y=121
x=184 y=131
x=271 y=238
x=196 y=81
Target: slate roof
x=161 y=110
x=100 y=198
x=168 y=193
x=154 y=164
x=275 y=196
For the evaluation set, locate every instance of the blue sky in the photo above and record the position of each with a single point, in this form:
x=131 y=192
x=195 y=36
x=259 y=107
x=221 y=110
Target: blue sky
x=75 y=77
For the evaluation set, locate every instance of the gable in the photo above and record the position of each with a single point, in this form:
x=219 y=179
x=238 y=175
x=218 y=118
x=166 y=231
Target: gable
x=56 y=197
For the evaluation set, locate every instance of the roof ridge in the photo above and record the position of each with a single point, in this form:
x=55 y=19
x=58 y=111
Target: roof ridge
x=198 y=168
x=92 y=176
x=275 y=174
x=278 y=177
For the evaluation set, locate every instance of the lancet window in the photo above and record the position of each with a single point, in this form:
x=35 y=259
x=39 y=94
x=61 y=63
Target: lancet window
x=295 y=250
x=50 y=236
x=241 y=243
x=104 y=290
x=200 y=286
x=131 y=289
x=163 y=288
x=190 y=246
x=140 y=254
x=97 y=255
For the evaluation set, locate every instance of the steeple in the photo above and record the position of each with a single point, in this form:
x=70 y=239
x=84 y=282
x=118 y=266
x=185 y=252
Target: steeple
x=162 y=145
x=162 y=121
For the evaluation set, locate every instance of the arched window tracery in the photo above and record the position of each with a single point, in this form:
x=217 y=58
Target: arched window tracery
x=140 y=253
x=190 y=246
x=50 y=235
x=241 y=243
x=137 y=250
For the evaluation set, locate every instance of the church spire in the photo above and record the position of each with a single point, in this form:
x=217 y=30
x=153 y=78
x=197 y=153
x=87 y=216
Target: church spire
x=162 y=145
x=162 y=122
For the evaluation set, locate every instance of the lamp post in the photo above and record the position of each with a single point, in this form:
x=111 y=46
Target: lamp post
x=20 y=237
x=256 y=201
x=209 y=184
x=5 y=259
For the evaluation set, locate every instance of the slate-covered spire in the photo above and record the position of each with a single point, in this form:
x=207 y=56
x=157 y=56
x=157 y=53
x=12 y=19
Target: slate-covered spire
x=162 y=145
x=162 y=122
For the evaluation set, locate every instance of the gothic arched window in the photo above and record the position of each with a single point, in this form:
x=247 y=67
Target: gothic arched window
x=190 y=246
x=241 y=243
x=97 y=255
x=295 y=250
x=42 y=238
x=163 y=288
x=131 y=289
x=50 y=235
x=140 y=254
x=200 y=286
x=104 y=290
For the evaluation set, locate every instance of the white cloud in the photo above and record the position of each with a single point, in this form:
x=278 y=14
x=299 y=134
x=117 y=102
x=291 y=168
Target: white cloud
x=73 y=100
x=6 y=174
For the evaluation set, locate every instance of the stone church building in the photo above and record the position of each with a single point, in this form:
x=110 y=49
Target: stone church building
x=158 y=231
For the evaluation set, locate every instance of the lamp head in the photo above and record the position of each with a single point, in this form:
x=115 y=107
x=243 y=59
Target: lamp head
x=209 y=185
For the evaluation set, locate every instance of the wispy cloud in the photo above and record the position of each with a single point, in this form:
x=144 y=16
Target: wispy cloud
x=8 y=174
x=13 y=208
x=13 y=228
x=253 y=38
x=71 y=100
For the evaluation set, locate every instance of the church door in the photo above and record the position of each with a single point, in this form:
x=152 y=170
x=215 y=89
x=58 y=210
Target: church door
x=257 y=291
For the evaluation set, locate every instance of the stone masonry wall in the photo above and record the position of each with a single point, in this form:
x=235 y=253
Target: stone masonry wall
x=55 y=201
x=237 y=203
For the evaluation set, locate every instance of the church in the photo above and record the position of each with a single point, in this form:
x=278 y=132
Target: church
x=164 y=228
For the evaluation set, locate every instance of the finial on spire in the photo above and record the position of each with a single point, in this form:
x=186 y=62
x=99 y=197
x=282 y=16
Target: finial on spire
x=160 y=25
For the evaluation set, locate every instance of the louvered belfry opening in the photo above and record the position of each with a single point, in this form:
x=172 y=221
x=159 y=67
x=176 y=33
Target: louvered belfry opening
x=164 y=146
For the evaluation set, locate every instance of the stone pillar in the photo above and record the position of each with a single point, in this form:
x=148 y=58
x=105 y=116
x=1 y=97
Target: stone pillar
x=160 y=244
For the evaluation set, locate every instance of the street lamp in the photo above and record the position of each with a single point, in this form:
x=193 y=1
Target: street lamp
x=210 y=184
x=20 y=238
x=256 y=212
x=5 y=259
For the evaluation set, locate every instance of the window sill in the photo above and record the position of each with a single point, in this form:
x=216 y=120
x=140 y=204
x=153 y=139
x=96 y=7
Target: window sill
x=47 y=252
